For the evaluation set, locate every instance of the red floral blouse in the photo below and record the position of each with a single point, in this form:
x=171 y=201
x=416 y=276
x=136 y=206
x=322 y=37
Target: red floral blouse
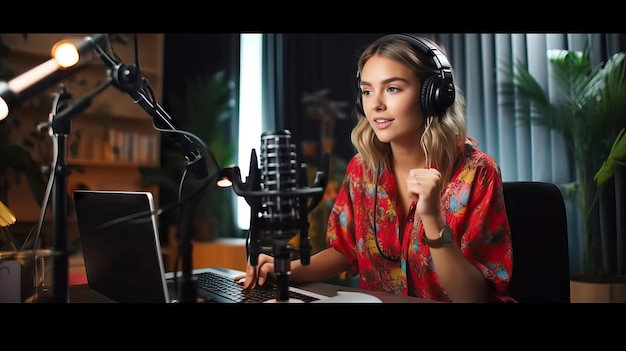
x=473 y=205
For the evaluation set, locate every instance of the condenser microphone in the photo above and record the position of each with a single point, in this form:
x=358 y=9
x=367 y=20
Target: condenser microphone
x=279 y=200
x=279 y=180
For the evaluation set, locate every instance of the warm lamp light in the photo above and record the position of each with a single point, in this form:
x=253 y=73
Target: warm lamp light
x=65 y=54
x=224 y=183
x=225 y=177
x=4 y=109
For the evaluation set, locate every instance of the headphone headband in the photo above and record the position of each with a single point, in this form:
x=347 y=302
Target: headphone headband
x=438 y=90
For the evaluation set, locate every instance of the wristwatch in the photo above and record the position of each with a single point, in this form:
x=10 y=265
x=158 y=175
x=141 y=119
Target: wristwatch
x=445 y=238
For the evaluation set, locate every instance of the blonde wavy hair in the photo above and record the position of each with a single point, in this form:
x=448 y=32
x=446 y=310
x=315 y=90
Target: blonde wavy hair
x=444 y=135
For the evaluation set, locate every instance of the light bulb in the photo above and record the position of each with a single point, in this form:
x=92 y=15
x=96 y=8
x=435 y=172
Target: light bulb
x=4 y=109
x=65 y=54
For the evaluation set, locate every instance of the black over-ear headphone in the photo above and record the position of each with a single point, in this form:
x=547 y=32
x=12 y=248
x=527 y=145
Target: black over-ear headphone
x=437 y=90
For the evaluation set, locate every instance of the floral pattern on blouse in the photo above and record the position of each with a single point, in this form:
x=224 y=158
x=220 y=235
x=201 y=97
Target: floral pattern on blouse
x=473 y=205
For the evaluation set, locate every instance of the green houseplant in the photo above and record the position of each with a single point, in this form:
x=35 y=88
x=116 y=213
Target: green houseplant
x=205 y=107
x=611 y=181
x=16 y=161
x=588 y=110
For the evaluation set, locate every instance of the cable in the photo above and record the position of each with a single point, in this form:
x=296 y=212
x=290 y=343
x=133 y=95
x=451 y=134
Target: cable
x=46 y=198
x=429 y=121
x=144 y=214
x=378 y=171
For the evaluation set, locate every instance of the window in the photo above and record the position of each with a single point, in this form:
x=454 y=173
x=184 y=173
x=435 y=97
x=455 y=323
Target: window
x=250 y=112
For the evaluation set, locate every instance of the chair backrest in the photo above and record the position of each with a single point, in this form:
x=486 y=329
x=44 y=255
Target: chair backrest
x=538 y=221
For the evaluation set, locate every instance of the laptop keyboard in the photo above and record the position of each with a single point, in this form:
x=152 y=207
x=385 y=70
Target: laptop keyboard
x=220 y=288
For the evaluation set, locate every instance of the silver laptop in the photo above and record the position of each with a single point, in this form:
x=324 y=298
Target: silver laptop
x=120 y=241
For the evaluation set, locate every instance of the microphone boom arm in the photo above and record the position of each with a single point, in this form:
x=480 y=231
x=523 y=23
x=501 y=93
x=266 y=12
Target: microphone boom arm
x=128 y=79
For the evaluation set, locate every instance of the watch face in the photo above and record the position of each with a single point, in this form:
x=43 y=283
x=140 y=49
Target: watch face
x=446 y=236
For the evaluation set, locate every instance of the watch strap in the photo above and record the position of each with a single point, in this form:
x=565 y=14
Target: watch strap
x=439 y=242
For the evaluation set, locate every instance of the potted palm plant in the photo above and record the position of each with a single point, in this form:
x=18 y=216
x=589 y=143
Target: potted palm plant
x=588 y=111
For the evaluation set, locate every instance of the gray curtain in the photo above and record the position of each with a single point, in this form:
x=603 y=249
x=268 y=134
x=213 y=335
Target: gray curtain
x=524 y=153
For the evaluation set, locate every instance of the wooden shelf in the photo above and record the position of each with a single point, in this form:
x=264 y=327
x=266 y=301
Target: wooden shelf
x=109 y=164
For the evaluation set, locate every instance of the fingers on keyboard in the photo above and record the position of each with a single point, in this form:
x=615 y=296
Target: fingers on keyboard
x=249 y=284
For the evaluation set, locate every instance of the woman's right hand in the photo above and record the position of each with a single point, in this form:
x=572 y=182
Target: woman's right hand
x=259 y=274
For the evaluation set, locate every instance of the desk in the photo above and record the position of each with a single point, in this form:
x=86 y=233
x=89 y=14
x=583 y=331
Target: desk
x=82 y=293
x=331 y=290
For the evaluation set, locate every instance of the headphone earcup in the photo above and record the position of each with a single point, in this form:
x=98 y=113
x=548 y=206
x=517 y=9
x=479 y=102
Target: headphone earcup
x=436 y=96
x=358 y=104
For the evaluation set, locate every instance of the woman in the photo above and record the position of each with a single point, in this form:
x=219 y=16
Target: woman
x=420 y=211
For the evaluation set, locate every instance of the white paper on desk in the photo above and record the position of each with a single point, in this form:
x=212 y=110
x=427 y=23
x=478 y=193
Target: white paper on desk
x=350 y=297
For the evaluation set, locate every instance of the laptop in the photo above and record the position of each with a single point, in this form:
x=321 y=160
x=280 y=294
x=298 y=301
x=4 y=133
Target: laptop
x=118 y=232
x=119 y=235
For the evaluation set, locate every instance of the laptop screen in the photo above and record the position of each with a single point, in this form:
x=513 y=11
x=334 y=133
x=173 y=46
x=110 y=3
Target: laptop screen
x=120 y=242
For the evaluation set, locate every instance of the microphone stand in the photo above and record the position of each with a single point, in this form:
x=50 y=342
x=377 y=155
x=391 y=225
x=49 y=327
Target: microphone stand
x=60 y=131
x=60 y=126
x=189 y=286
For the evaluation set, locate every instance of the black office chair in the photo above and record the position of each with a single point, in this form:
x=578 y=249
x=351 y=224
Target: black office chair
x=537 y=217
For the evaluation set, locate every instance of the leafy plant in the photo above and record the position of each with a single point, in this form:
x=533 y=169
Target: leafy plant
x=590 y=105
x=205 y=107
x=16 y=161
x=617 y=156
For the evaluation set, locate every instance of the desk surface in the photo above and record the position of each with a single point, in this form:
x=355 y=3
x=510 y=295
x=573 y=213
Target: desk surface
x=82 y=293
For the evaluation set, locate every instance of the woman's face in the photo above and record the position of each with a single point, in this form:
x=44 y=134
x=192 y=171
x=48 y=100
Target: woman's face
x=391 y=100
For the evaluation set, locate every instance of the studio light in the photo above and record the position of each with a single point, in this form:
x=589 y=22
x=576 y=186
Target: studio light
x=65 y=60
